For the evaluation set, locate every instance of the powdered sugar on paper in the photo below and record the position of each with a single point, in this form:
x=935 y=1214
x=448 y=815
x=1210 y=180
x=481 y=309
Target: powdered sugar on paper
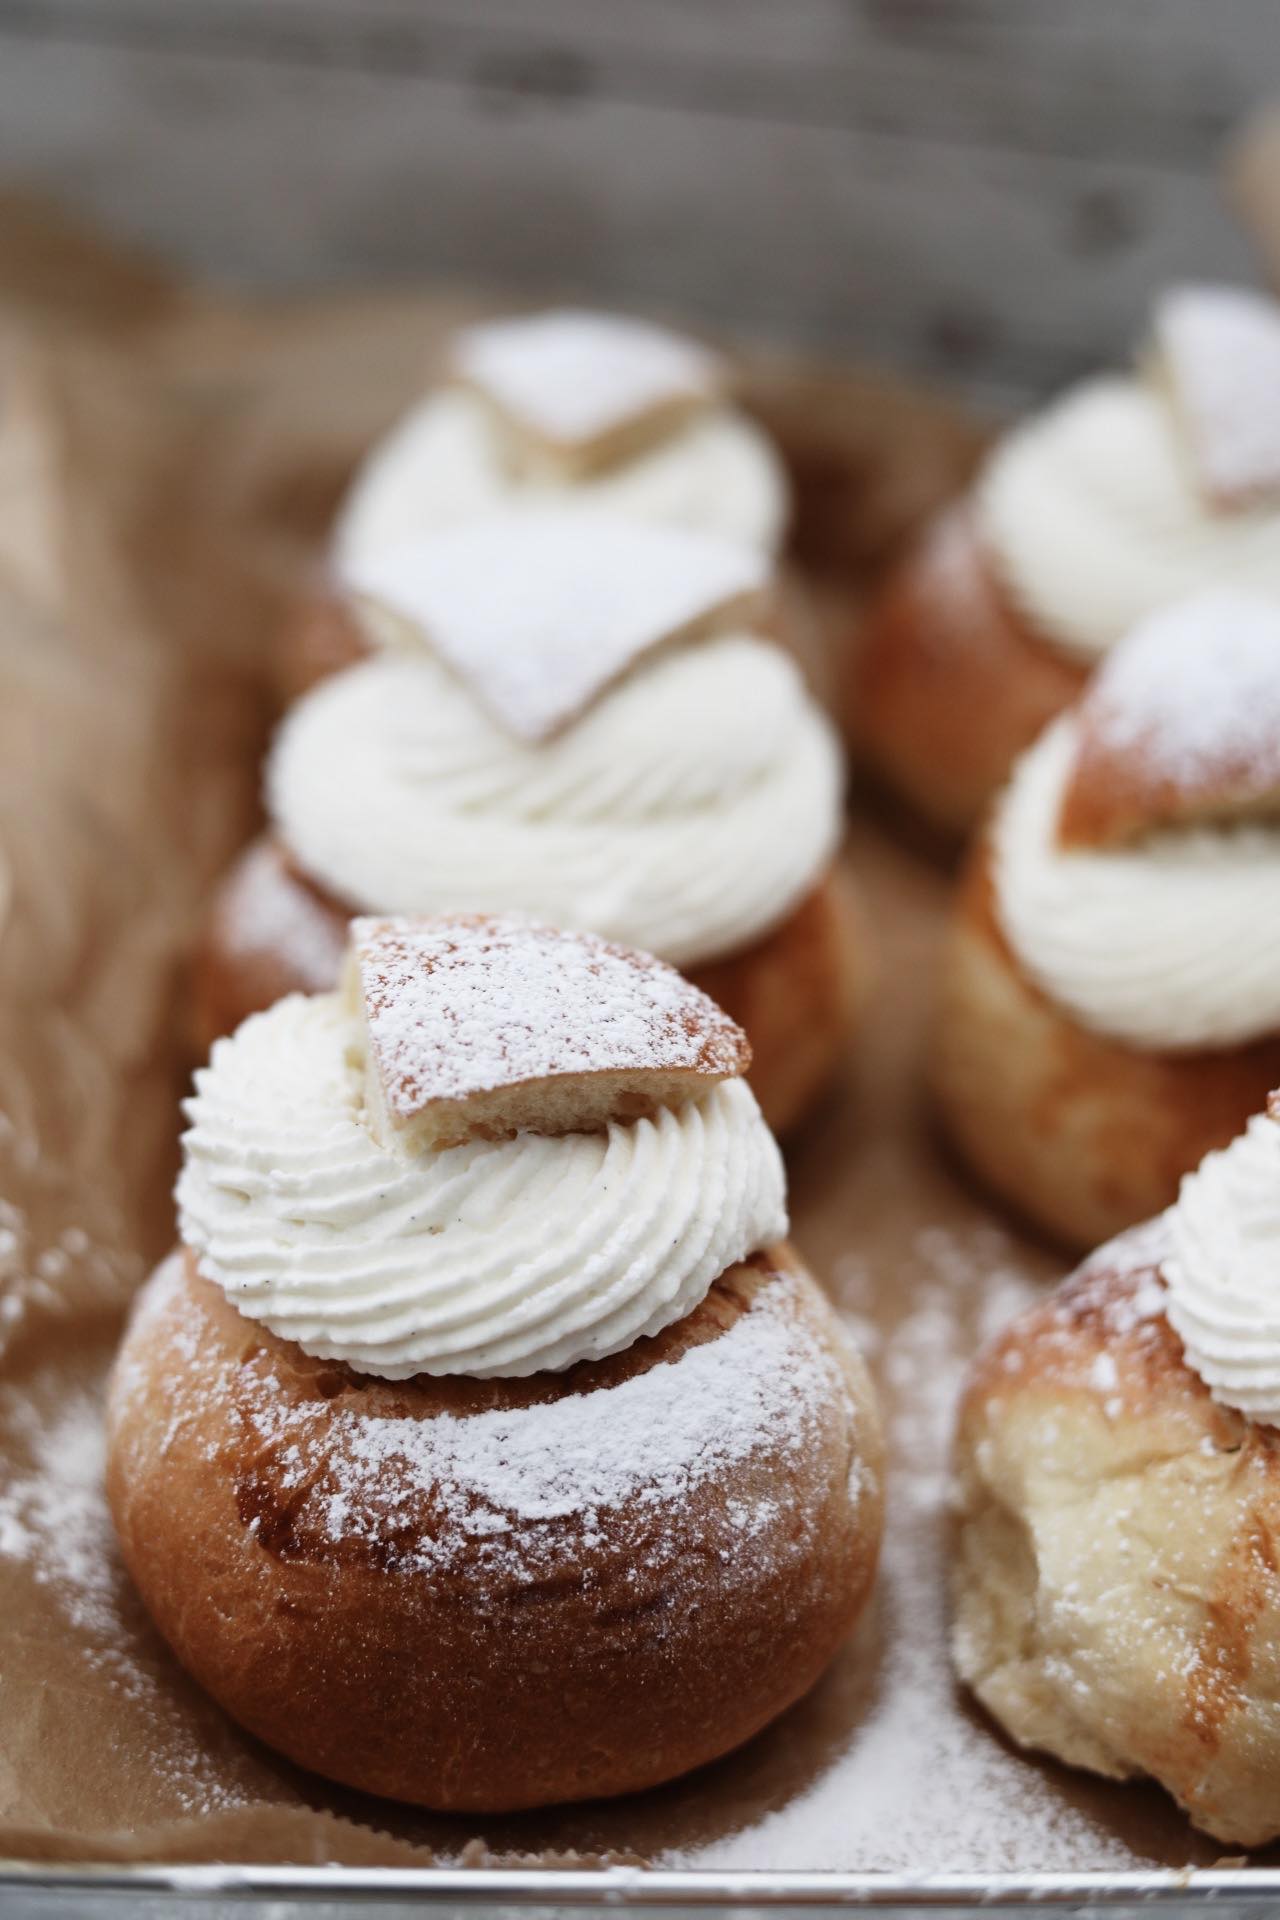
x=55 y=1525
x=923 y=1780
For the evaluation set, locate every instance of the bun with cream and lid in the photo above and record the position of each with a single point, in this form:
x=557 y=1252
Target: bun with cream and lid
x=485 y=1444
x=582 y=719
x=1126 y=495
x=1111 y=1005
x=556 y=408
x=1118 y=1456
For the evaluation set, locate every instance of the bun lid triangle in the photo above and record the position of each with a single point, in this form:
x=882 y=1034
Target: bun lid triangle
x=576 y=391
x=1217 y=352
x=538 y=610
x=1180 y=725
x=481 y=1027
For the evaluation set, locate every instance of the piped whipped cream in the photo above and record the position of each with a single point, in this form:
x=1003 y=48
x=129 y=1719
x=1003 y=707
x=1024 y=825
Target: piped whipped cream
x=1223 y=1301
x=495 y=1258
x=687 y=812
x=446 y=461
x=1169 y=944
x=1094 y=515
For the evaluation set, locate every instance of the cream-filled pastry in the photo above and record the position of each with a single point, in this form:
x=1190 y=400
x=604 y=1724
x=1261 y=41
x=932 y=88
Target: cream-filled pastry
x=1111 y=989
x=1117 y=1596
x=565 y=407
x=1129 y=493
x=485 y=1444
x=583 y=719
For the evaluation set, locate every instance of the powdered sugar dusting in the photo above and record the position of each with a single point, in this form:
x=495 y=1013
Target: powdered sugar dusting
x=55 y=1528
x=1195 y=690
x=467 y=1004
x=513 y=1492
x=55 y=1517
x=538 y=610
x=923 y=1781
x=1221 y=348
x=573 y=376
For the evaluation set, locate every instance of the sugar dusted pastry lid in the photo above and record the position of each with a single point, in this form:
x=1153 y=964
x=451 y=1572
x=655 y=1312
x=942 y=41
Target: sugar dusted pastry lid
x=539 y=610
x=1181 y=724
x=484 y=1027
x=579 y=390
x=1218 y=351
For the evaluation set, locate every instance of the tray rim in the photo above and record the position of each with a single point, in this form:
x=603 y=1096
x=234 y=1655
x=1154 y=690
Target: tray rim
x=646 y=1887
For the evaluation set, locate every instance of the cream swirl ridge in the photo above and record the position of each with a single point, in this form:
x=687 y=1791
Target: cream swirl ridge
x=445 y=462
x=1169 y=944
x=686 y=813
x=1221 y=1271
x=1093 y=517
x=496 y=1258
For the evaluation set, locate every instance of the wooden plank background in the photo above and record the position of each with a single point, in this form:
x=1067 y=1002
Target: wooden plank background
x=983 y=189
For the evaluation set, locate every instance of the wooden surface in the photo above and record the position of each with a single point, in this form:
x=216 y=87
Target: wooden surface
x=982 y=188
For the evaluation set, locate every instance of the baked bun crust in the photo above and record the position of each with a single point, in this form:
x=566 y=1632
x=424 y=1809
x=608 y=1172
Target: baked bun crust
x=949 y=683
x=796 y=992
x=1117 y=1598
x=1078 y=1133
x=555 y=1655
x=320 y=636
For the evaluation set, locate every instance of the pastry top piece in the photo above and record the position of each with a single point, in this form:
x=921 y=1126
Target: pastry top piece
x=482 y=1027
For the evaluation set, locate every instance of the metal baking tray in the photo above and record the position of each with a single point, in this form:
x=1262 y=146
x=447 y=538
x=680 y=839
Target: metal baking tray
x=202 y=1892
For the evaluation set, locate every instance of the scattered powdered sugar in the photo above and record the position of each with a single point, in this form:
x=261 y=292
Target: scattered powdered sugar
x=923 y=1783
x=55 y=1518
x=55 y=1525
x=1195 y=689
x=498 y=1484
x=33 y=1278
x=573 y=376
x=1221 y=350
x=465 y=1004
x=538 y=610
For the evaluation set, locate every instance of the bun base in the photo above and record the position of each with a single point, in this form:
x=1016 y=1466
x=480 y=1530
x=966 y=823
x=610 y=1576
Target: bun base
x=949 y=684
x=319 y=637
x=797 y=991
x=1117 y=1601
x=579 y=1654
x=1080 y=1134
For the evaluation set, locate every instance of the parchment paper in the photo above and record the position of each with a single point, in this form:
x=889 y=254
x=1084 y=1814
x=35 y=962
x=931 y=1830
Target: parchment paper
x=192 y=486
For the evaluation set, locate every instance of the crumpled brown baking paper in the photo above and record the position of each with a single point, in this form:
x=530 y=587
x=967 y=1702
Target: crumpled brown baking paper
x=180 y=495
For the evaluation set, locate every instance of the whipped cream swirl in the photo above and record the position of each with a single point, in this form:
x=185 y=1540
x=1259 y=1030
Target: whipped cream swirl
x=496 y=1258
x=445 y=462
x=687 y=812
x=1223 y=1301
x=1173 y=943
x=1093 y=516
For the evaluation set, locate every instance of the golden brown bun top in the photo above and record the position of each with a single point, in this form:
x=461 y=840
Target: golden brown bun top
x=1113 y=1304
x=1180 y=726
x=331 y=1465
